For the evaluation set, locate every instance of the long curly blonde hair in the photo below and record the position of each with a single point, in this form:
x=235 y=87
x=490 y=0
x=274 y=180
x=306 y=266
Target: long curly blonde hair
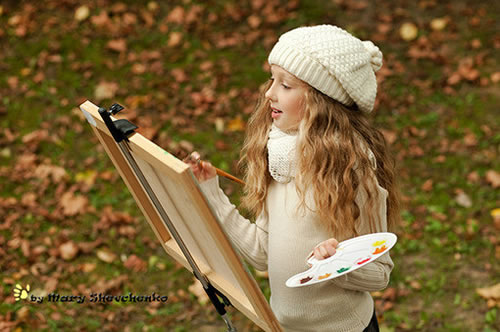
x=333 y=164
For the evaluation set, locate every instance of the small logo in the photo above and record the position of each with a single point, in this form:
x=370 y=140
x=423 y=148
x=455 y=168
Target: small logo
x=20 y=293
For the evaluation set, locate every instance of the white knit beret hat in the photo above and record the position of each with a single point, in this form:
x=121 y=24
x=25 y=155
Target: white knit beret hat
x=331 y=60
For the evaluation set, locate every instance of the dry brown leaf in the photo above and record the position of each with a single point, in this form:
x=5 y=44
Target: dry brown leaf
x=138 y=68
x=466 y=69
x=454 y=78
x=415 y=284
x=136 y=264
x=476 y=43
x=100 y=20
x=106 y=256
x=197 y=289
x=427 y=185
x=470 y=139
x=254 y=21
x=176 y=15
x=105 y=90
x=68 y=250
x=88 y=267
x=153 y=6
x=82 y=13
x=390 y=136
x=492 y=292
x=236 y=124
x=179 y=75
x=384 y=28
x=129 y=19
x=148 y=18
x=50 y=285
x=35 y=136
x=118 y=45
x=495 y=77
x=463 y=199
x=439 y=24
x=416 y=151
x=175 y=39
x=72 y=205
x=390 y=294
x=186 y=145
x=104 y=286
x=440 y=159
x=25 y=248
x=493 y=178
x=87 y=247
x=56 y=172
x=473 y=177
x=193 y=14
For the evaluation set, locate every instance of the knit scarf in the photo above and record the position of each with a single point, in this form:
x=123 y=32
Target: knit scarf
x=281 y=152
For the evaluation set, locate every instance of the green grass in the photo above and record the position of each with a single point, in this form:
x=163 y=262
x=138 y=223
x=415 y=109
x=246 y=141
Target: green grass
x=439 y=261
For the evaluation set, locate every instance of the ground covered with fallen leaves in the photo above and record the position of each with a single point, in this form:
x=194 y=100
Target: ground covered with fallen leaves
x=188 y=73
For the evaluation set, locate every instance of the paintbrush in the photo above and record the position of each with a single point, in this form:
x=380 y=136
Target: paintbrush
x=224 y=174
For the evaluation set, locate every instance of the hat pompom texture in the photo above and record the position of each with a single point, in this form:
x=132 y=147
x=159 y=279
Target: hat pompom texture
x=331 y=60
x=376 y=55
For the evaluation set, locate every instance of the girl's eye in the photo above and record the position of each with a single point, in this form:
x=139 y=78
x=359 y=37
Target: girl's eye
x=285 y=86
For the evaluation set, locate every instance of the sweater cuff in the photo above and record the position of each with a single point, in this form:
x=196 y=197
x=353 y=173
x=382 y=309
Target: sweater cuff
x=211 y=188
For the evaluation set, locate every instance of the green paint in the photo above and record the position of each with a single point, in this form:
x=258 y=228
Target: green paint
x=343 y=269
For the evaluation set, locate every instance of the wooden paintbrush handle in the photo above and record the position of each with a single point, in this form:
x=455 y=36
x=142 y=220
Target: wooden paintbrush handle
x=229 y=176
x=222 y=173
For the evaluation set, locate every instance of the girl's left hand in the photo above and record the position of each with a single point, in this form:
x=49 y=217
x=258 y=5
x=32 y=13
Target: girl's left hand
x=326 y=249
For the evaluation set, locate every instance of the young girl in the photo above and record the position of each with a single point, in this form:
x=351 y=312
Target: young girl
x=316 y=173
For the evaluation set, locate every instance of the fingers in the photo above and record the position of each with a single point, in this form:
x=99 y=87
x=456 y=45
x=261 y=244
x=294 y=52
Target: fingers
x=208 y=171
x=193 y=160
x=202 y=170
x=326 y=249
x=194 y=157
x=333 y=242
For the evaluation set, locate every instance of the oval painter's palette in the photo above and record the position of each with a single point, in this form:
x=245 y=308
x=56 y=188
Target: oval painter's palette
x=350 y=256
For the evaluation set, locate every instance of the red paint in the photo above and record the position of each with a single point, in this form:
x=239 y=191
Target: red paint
x=364 y=261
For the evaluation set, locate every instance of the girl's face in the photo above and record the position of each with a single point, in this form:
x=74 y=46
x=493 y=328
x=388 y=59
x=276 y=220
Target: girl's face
x=286 y=96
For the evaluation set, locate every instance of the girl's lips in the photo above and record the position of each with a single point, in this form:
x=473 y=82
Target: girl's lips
x=275 y=113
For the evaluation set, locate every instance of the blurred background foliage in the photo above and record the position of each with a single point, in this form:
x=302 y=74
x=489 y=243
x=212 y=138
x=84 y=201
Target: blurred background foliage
x=188 y=73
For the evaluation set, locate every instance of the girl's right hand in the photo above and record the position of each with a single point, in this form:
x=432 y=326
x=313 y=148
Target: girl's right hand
x=202 y=170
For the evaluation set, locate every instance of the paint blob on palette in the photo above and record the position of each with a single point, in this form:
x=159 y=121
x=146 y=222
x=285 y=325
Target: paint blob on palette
x=349 y=256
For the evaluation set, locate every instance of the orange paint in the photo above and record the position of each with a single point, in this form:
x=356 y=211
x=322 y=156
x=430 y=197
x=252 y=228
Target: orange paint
x=380 y=250
x=324 y=276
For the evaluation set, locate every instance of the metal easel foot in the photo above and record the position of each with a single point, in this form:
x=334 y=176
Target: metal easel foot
x=230 y=327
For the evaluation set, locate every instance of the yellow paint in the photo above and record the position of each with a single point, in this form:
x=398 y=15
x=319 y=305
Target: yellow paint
x=324 y=276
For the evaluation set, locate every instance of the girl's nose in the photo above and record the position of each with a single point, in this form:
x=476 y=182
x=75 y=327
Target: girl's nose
x=269 y=93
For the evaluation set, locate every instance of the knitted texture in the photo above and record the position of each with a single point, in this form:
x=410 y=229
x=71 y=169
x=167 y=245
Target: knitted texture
x=331 y=60
x=280 y=242
x=281 y=150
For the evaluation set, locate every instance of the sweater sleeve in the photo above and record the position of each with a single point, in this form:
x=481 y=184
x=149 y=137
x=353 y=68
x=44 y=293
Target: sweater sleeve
x=249 y=238
x=373 y=276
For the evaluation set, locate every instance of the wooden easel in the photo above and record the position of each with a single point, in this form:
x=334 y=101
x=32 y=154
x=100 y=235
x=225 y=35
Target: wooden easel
x=169 y=196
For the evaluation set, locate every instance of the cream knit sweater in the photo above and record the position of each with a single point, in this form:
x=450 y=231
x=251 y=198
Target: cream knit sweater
x=281 y=242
